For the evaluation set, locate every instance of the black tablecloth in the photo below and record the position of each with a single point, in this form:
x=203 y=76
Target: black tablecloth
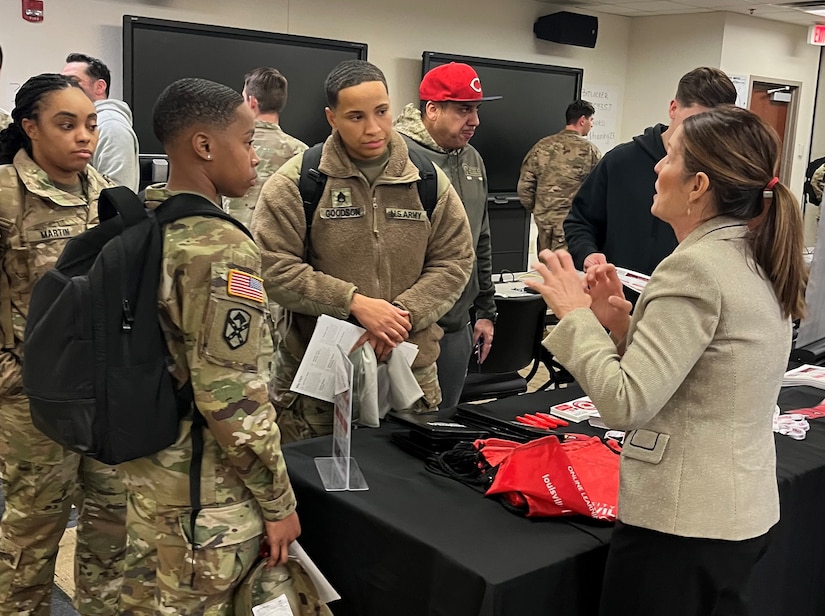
x=417 y=544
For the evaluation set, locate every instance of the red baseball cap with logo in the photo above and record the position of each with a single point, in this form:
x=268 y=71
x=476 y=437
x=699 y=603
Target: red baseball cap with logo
x=454 y=82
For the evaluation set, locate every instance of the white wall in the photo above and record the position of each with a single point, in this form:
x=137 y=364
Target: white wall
x=662 y=49
x=395 y=34
x=775 y=50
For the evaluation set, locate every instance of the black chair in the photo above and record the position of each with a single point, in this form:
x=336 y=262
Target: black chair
x=516 y=344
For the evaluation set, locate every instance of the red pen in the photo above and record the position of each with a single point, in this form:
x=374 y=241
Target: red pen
x=533 y=422
x=559 y=421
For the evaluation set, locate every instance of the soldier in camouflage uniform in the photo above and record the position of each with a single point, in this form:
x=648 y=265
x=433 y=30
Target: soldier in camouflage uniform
x=48 y=194
x=265 y=91
x=553 y=171
x=374 y=255
x=214 y=313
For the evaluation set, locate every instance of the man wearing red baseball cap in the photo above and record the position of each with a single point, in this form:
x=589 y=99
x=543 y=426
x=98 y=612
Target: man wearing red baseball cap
x=441 y=129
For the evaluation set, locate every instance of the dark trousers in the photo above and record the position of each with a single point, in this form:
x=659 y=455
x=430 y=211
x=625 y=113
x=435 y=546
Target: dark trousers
x=649 y=573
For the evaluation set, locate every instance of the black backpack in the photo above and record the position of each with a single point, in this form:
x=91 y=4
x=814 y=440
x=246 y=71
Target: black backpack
x=312 y=181
x=96 y=364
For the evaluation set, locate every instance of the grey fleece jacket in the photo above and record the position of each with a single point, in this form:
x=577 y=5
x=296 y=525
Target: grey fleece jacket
x=465 y=168
x=116 y=155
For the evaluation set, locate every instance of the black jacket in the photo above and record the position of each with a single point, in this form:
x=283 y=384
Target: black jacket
x=611 y=211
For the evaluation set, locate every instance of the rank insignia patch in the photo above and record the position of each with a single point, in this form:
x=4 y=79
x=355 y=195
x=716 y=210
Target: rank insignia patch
x=341 y=197
x=236 y=328
x=245 y=285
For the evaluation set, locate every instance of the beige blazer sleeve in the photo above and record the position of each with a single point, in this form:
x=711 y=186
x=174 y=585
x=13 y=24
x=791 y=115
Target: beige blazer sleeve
x=674 y=322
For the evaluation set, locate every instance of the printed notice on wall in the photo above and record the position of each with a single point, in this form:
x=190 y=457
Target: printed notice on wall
x=741 y=83
x=607 y=101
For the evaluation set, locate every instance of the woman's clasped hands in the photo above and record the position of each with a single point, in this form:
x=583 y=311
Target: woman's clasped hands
x=564 y=289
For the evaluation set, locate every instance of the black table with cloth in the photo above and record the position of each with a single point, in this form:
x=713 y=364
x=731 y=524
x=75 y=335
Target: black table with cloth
x=418 y=544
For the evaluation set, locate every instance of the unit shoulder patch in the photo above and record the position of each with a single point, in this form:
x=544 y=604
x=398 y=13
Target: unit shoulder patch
x=236 y=327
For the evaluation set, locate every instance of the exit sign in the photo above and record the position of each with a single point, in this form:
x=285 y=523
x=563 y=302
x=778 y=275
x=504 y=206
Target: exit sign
x=816 y=34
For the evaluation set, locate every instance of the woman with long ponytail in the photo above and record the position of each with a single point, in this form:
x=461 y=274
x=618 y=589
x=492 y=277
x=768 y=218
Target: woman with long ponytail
x=48 y=194
x=694 y=374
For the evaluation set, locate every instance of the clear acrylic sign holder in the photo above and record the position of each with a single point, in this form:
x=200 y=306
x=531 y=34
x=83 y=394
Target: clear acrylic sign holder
x=341 y=471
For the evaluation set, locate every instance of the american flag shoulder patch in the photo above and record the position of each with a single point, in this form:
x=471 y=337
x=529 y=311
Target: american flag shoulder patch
x=245 y=285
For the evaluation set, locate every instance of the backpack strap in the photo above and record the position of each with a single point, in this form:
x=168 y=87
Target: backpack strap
x=428 y=185
x=120 y=200
x=195 y=466
x=311 y=184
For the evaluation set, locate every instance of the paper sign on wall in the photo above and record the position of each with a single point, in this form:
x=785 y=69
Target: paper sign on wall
x=607 y=101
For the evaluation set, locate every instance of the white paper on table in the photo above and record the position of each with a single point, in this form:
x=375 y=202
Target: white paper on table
x=326 y=592
x=279 y=606
x=316 y=374
x=632 y=280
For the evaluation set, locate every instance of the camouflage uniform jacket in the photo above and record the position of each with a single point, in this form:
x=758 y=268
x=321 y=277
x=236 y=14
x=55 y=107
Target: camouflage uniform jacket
x=220 y=337
x=376 y=240
x=552 y=173
x=465 y=168
x=817 y=182
x=5 y=119
x=273 y=147
x=36 y=221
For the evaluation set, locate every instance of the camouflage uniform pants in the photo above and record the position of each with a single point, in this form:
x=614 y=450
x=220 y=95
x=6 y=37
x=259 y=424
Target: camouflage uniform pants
x=40 y=481
x=163 y=574
x=301 y=417
x=550 y=235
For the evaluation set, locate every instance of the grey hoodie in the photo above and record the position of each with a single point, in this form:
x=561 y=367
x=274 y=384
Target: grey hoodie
x=116 y=155
x=466 y=171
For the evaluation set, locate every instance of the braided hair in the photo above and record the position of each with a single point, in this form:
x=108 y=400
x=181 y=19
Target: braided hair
x=27 y=105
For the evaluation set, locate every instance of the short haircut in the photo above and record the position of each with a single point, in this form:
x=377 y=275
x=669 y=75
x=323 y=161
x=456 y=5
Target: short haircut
x=705 y=86
x=95 y=68
x=191 y=102
x=577 y=109
x=350 y=73
x=269 y=86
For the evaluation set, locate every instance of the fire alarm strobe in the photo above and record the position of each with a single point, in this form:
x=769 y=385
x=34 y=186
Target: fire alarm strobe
x=33 y=10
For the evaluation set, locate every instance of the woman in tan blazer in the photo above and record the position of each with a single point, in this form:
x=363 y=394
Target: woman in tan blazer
x=694 y=374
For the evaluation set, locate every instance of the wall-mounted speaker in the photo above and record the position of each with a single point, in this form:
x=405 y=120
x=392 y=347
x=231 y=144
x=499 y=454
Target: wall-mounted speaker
x=568 y=28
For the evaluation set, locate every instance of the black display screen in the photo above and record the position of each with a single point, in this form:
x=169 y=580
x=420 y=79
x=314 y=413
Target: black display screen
x=157 y=52
x=535 y=97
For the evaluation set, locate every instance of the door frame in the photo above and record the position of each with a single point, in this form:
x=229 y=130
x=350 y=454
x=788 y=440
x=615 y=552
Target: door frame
x=789 y=146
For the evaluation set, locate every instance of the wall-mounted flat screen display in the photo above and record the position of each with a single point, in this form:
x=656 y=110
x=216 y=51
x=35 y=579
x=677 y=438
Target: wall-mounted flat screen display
x=157 y=52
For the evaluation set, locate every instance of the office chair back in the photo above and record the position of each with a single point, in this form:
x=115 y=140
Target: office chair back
x=516 y=345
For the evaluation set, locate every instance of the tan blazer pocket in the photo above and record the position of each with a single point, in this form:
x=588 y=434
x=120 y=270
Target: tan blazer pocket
x=645 y=446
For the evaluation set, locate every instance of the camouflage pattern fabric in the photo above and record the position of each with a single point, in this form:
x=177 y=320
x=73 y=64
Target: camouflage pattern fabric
x=5 y=119
x=219 y=335
x=817 y=181
x=551 y=175
x=40 y=479
x=273 y=147
x=264 y=584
